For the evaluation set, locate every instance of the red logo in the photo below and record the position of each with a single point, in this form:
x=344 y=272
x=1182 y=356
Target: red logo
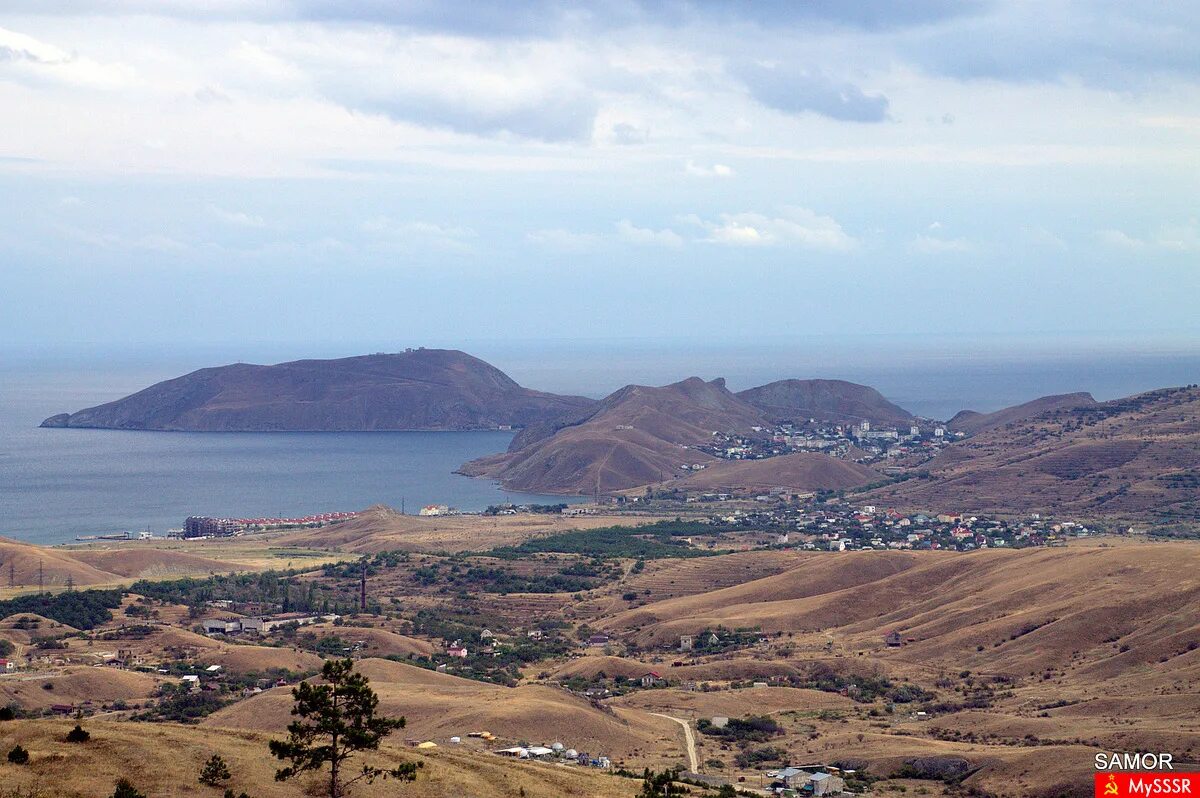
x=1146 y=785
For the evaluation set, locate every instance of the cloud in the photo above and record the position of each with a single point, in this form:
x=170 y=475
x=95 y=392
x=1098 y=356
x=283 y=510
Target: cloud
x=935 y=245
x=36 y=62
x=538 y=91
x=628 y=232
x=716 y=170
x=529 y=18
x=1171 y=237
x=422 y=233
x=627 y=134
x=793 y=227
x=1109 y=44
x=565 y=240
x=795 y=90
x=236 y=218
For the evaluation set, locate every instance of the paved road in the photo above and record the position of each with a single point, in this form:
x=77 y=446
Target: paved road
x=689 y=738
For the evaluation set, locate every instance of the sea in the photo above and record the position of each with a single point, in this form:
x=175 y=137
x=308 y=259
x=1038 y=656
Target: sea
x=60 y=484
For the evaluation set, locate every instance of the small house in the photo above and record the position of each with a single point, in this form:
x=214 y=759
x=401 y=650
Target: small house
x=893 y=639
x=598 y=640
x=651 y=679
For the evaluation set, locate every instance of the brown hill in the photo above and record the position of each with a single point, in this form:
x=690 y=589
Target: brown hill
x=1128 y=459
x=800 y=472
x=1002 y=611
x=148 y=563
x=973 y=423
x=825 y=400
x=634 y=437
x=74 y=685
x=56 y=566
x=421 y=389
x=163 y=759
x=438 y=706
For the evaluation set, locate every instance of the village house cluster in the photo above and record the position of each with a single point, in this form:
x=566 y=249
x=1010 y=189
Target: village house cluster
x=838 y=525
x=860 y=442
x=203 y=526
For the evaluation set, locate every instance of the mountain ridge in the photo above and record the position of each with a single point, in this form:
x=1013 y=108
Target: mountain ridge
x=419 y=389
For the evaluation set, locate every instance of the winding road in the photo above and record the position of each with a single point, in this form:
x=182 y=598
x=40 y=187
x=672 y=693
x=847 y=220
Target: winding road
x=689 y=738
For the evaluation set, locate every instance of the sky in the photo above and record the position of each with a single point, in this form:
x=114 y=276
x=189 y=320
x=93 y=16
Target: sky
x=396 y=172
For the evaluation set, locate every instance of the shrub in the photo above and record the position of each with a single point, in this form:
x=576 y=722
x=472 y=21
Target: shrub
x=18 y=755
x=123 y=789
x=214 y=771
x=78 y=735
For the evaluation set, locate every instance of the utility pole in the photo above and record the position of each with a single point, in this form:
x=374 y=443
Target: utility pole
x=41 y=578
x=401 y=505
x=12 y=573
x=362 y=588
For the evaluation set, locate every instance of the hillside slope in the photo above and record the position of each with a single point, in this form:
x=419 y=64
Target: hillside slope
x=973 y=423
x=635 y=436
x=1135 y=458
x=825 y=400
x=803 y=471
x=419 y=389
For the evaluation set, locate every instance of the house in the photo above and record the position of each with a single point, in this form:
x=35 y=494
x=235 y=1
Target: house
x=719 y=721
x=793 y=778
x=893 y=639
x=598 y=641
x=713 y=639
x=7 y=666
x=651 y=679
x=457 y=651
x=191 y=682
x=486 y=634
x=435 y=509
x=826 y=784
x=686 y=642
x=221 y=626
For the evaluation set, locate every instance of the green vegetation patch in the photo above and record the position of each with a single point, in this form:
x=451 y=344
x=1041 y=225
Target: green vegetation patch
x=659 y=541
x=83 y=609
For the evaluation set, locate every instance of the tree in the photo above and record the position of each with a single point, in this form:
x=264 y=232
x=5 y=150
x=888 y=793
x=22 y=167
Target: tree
x=18 y=755
x=123 y=789
x=214 y=771
x=78 y=735
x=335 y=721
x=660 y=785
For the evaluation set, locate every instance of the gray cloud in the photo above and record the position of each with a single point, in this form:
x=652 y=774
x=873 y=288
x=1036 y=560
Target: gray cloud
x=508 y=18
x=796 y=90
x=1110 y=44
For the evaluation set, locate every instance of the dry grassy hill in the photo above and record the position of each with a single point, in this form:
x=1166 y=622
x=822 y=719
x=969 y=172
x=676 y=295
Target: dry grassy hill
x=438 y=706
x=634 y=437
x=151 y=563
x=75 y=685
x=1012 y=611
x=164 y=759
x=57 y=566
x=803 y=471
x=380 y=528
x=1135 y=458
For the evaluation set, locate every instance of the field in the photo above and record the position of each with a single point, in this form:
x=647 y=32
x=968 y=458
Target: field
x=1010 y=668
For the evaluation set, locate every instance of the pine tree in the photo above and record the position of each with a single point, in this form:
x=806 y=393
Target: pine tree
x=123 y=789
x=337 y=720
x=78 y=735
x=214 y=771
x=18 y=755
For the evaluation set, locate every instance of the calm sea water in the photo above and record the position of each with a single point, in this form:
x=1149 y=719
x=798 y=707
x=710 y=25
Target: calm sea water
x=56 y=484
